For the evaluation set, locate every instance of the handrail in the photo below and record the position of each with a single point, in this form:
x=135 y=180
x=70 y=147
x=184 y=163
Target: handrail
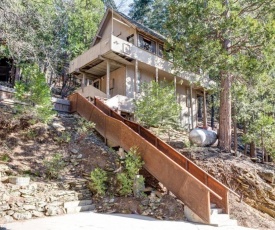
x=183 y=161
x=185 y=184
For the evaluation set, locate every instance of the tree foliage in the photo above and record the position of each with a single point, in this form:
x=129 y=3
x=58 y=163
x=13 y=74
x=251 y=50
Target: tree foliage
x=35 y=91
x=157 y=105
x=151 y=13
x=48 y=32
x=233 y=40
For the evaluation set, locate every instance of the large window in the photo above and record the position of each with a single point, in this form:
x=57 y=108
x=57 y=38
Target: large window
x=146 y=44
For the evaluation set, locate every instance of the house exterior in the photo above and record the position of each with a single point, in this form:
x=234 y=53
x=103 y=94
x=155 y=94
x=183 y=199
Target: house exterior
x=124 y=54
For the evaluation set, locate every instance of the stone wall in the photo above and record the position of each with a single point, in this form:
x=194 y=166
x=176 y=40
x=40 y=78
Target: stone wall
x=38 y=199
x=34 y=200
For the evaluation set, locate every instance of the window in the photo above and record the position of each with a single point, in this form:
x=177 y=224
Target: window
x=146 y=44
x=96 y=84
x=160 y=53
x=131 y=39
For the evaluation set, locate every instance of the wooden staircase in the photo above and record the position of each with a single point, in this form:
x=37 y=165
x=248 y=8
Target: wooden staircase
x=192 y=185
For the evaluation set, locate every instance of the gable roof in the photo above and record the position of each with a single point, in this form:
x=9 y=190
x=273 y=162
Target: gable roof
x=130 y=22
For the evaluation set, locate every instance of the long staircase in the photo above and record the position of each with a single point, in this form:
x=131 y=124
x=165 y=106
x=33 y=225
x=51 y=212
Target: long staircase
x=205 y=198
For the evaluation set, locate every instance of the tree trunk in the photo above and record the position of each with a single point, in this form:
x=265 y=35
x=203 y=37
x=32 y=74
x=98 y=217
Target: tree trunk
x=245 y=145
x=235 y=131
x=200 y=108
x=212 y=111
x=252 y=149
x=225 y=113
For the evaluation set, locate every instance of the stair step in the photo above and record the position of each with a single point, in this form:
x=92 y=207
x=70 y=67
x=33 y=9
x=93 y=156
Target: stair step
x=212 y=205
x=215 y=211
x=73 y=204
x=229 y=222
x=85 y=208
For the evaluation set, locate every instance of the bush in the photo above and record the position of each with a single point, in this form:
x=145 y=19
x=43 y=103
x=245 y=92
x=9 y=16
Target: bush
x=84 y=126
x=54 y=166
x=35 y=91
x=133 y=163
x=99 y=179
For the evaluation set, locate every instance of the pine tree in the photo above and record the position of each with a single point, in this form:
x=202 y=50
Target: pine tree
x=230 y=39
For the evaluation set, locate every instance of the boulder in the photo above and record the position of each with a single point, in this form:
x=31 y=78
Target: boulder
x=202 y=137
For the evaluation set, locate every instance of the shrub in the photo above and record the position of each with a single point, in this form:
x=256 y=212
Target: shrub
x=54 y=166
x=35 y=91
x=84 y=126
x=133 y=163
x=99 y=179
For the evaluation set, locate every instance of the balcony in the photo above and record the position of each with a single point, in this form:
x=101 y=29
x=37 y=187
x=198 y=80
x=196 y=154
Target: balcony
x=122 y=53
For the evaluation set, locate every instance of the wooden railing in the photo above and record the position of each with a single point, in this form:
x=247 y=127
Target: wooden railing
x=182 y=177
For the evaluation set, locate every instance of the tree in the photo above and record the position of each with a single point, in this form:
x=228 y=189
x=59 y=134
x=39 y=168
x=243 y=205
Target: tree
x=48 y=32
x=157 y=106
x=151 y=13
x=254 y=104
x=35 y=91
x=140 y=11
x=230 y=39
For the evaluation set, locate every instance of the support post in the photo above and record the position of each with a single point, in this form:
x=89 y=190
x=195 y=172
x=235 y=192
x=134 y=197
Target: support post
x=108 y=79
x=83 y=82
x=157 y=75
x=191 y=106
x=212 y=111
x=135 y=79
x=204 y=110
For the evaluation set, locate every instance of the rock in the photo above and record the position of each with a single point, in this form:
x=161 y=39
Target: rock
x=79 y=156
x=268 y=176
x=202 y=137
x=37 y=214
x=53 y=211
x=22 y=216
x=21 y=181
x=5 y=220
x=75 y=151
x=58 y=126
x=29 y=207
x=4 y=207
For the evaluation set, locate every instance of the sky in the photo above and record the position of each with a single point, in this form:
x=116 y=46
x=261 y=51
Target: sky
x=124 y=5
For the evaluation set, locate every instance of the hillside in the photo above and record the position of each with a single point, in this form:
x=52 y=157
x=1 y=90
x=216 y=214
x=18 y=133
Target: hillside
x=26 y=147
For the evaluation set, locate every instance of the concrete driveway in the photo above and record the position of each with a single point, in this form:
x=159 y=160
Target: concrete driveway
x=95 y=221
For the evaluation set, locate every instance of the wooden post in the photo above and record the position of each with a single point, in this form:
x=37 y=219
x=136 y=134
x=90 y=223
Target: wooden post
x=212 y=111
x=108 y=79
x=135 y=79
x=157 y=75
x=83 y=82
x=204 y=110
x=191 y=106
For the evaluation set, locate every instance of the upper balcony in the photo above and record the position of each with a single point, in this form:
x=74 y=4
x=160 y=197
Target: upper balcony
x=121 y=52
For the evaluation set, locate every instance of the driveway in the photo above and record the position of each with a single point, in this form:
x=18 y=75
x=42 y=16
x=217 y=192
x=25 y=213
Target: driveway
x=96 y=221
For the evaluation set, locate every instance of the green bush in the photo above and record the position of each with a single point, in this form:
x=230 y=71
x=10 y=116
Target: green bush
x=126 y=184
x=99 y=179
x=35 y=91
x=84 y=126
x=54 y=166
x=133 y=163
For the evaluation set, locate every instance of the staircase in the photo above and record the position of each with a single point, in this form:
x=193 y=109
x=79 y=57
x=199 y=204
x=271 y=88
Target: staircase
x=205 y=198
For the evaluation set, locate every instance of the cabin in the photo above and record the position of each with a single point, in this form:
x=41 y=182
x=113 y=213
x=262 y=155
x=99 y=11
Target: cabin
x=123 y=54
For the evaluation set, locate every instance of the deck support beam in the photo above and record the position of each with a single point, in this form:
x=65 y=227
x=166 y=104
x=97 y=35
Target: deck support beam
x=157 y=75
x=135 y=78
x=191 y=106
x=108 y=79
x=83 y=81
x=204 y=110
